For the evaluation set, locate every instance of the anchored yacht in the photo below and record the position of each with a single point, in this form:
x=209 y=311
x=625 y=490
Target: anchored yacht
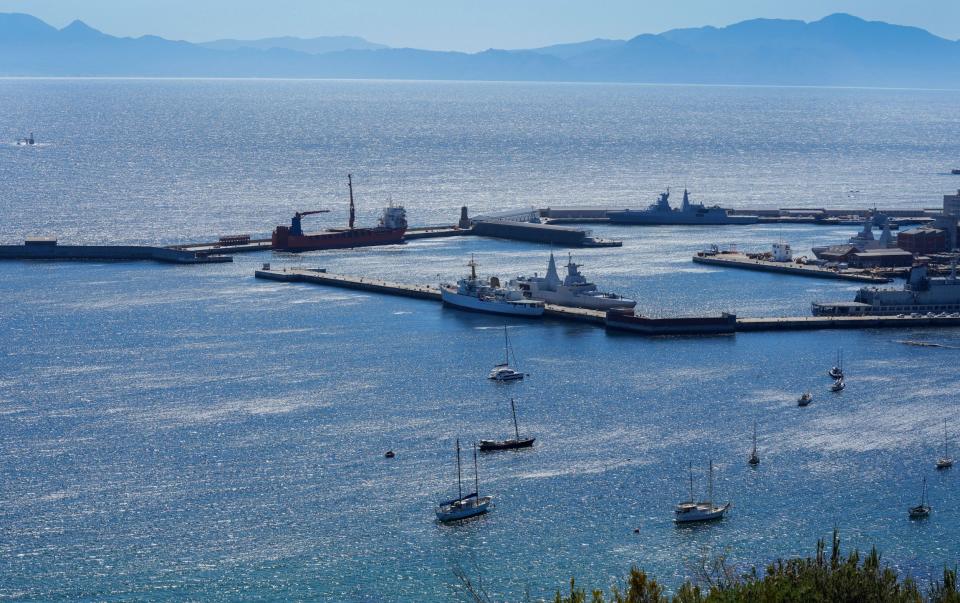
x=692 y=512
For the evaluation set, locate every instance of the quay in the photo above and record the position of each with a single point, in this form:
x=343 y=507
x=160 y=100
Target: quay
x=739 y=260
x=786 y=215
x=229 y=245
x=320 y=276
x=49 y=249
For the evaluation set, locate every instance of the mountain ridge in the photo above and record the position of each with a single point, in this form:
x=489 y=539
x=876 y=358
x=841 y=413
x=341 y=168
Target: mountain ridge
x=837 y=50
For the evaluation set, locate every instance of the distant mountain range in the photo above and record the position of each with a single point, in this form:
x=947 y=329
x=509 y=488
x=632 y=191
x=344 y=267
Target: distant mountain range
x=307 y=45
x=839 y=50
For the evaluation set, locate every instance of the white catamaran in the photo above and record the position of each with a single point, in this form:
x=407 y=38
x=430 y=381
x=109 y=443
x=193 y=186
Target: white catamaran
x=503 y=371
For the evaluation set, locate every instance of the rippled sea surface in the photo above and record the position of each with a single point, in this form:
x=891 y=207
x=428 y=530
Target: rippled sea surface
x=189 y=432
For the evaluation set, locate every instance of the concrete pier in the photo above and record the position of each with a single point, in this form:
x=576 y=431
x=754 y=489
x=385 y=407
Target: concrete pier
x=48 y=249
x=596 y=317
x=738 y=260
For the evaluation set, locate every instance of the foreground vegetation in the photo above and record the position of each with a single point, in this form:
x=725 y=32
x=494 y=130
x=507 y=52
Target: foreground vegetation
x=819 y=579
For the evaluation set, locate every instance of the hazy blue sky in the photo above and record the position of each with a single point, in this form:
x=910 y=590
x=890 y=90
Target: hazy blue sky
x=460 y=24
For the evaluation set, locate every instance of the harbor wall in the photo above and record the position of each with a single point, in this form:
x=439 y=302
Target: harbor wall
x=105 y=253
x=688 y=326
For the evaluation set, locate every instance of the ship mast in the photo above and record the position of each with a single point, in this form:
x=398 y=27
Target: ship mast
x=459 y=478
x=476 y=473
x=516 y=428
x=710 y=493
x=350 y=186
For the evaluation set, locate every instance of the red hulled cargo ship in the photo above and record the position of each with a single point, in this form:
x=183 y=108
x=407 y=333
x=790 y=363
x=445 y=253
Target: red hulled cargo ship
x=393 y=225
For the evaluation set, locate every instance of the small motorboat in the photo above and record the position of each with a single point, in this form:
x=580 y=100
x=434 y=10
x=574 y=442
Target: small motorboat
x=805 y=399
x=838 y=385
x=389 y=454
x=945 y=461
x=921 y=511
x=695 y=512
x=26 y=142
x=464 y=507
x=754 y=459
x=516 y=442
x=955 y=172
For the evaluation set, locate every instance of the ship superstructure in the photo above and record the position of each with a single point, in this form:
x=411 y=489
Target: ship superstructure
x=574 y=290
x=660 y=213
x=922 y=294
x=393 y=225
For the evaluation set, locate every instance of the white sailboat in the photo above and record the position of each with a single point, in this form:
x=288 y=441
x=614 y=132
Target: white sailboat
x=945 y=461
x=693 y=512
x=837 y=371
x=503 y=371
x=464 y=507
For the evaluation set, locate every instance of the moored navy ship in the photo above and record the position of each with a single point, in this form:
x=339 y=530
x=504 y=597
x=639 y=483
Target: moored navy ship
x=393 y=225
x=922 y=294
x=574 y=290
x=471 y=293
x=660 y=213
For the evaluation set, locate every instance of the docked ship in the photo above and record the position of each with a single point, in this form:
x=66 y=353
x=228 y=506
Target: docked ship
x=922 y=294
x=393 y=225
x=660 y=213
x=625 y=319
x=470 y=293
x=574 y=290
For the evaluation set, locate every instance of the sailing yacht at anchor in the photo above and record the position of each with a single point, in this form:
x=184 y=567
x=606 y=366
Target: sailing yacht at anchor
x=503 y=371
x=945 y=461
x=517 y=442
x=464 y=507
x=692 y=512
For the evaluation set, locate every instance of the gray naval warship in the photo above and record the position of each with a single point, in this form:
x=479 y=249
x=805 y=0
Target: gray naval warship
x=660 y=213
x=922 y=294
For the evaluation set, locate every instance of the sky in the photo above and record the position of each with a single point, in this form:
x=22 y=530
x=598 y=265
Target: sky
x=466 y=25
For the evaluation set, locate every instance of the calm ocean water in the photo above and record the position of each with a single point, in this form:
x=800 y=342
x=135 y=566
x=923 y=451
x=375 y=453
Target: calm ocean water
x=177 y=432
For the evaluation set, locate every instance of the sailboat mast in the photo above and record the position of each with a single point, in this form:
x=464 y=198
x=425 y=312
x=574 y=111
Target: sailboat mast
x=946 y=454
x=459 y=480
x=476 y=473
x=352 y=211
x=516 y=428
x=506 y=345
x=691 y=481
x=710 y=486
x=754 y=438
